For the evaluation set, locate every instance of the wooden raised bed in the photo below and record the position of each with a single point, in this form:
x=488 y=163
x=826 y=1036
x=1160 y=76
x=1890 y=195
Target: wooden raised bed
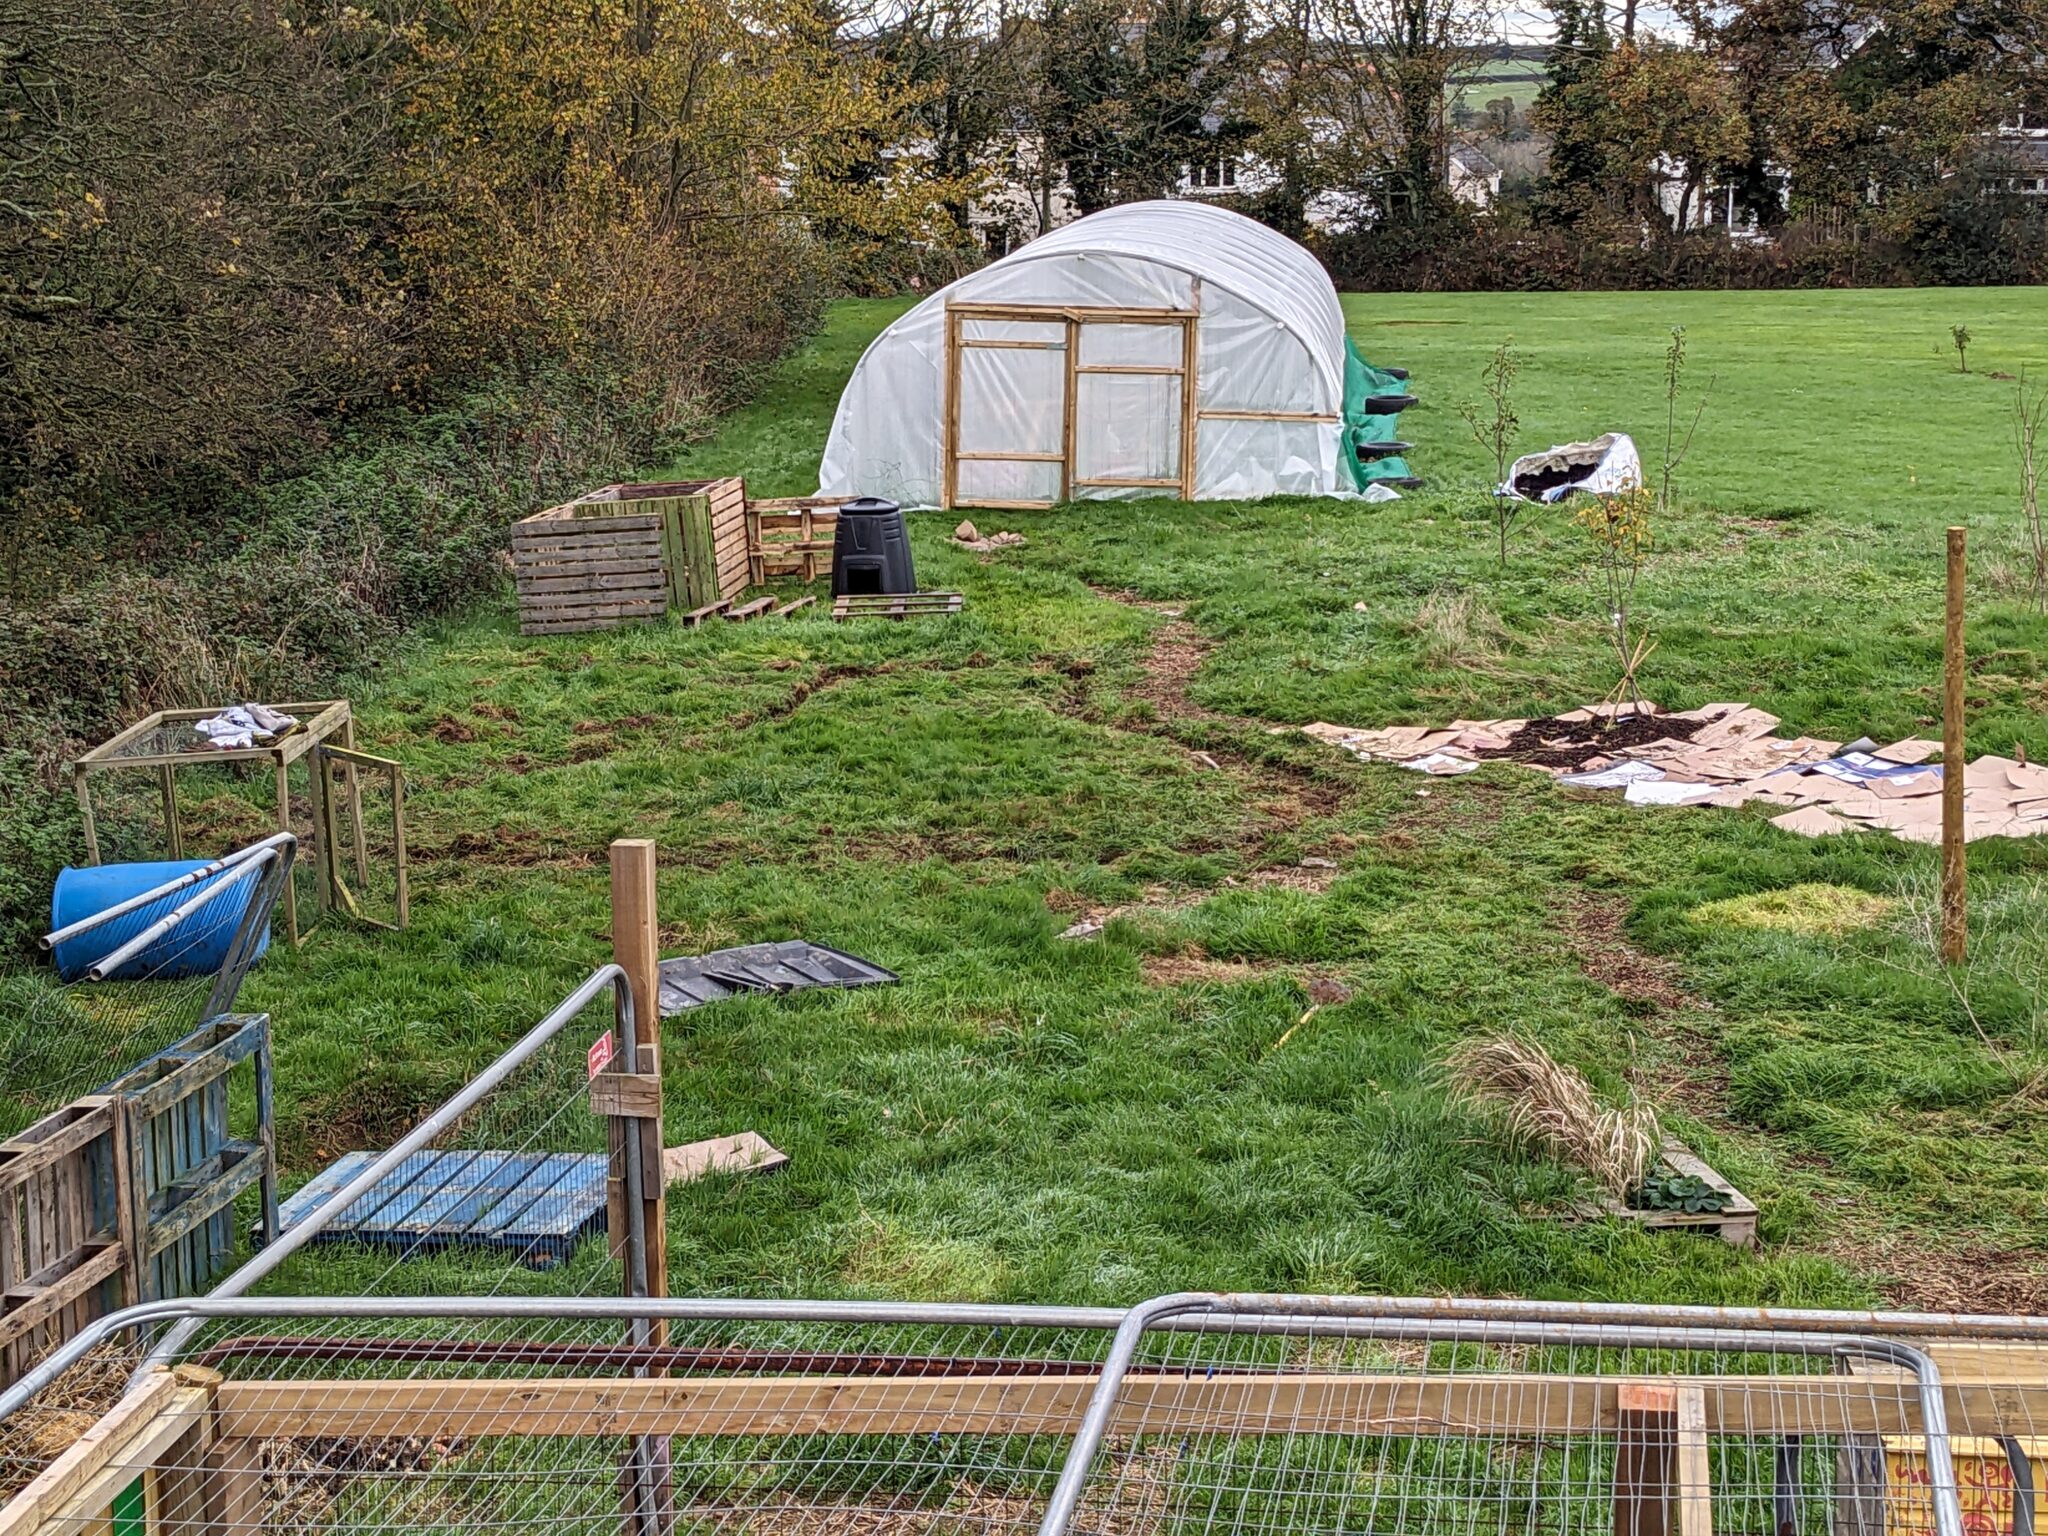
x=1735 y=1226
x=629 y=552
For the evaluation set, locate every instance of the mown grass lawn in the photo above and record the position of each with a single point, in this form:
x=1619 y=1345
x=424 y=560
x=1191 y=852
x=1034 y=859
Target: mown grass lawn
x=1031 y=1118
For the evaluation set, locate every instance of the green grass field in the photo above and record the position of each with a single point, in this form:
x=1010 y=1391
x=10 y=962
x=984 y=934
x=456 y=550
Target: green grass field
x=1031 y=1118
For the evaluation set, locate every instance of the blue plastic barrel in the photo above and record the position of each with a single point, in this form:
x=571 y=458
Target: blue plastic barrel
x=196 y=947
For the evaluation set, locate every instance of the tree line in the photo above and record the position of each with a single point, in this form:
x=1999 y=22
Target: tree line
x=1890 y=132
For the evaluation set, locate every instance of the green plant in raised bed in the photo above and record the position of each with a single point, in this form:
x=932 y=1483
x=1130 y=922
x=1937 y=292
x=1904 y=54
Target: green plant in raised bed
x=1684 y=1192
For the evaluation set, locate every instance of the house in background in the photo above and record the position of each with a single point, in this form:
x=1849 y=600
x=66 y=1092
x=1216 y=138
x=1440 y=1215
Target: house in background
x=1474 y=179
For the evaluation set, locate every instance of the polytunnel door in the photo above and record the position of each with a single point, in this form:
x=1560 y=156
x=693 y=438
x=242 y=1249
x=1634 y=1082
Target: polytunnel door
x=1007 y=421
x=1133 y=416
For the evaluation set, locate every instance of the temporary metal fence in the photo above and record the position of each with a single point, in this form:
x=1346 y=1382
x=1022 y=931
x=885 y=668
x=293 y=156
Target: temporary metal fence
x=518 y=1182
x=59 y=1040
x=1188 y=1413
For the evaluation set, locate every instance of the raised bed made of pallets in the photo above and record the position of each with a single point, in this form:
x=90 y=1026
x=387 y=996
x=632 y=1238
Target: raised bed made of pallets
x=1735 y=1226
x=791 y=536
x=629 y=552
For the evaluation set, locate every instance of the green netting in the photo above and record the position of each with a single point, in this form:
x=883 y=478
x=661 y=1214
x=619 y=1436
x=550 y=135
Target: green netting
x=1362 y=382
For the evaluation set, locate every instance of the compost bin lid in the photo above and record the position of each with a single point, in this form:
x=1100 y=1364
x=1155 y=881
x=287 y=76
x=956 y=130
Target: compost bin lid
x=867 y=506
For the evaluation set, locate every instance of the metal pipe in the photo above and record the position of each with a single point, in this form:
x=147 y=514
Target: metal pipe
x=175 y=883
x=227 y=982
x=284 y=1244
x=114 y=959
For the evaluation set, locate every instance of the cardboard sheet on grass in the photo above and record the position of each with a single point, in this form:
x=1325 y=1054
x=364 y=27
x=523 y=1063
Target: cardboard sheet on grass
x=1725 y=755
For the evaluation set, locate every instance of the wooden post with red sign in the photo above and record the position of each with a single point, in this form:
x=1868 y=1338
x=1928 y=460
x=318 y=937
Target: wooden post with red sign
x=629 y=1095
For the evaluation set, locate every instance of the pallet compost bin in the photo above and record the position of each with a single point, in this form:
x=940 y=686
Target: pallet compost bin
x=791 y=536
x=630 y=552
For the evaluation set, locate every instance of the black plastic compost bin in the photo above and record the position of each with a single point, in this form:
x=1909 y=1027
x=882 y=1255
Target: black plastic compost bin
x=871 y=549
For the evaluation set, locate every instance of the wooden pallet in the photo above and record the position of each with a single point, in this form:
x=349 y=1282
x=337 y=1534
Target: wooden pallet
x=909 y=605
x=1735 y=1226
x=791 y=536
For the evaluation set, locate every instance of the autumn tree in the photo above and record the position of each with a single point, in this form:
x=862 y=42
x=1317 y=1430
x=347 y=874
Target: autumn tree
x=1131 y=98
x=181 y=209
x=1390 y=65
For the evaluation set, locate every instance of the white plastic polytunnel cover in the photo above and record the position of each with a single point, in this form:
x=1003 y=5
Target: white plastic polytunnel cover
x=1058 y=372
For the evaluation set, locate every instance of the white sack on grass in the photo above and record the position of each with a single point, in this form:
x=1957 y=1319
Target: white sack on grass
x=1602 y=467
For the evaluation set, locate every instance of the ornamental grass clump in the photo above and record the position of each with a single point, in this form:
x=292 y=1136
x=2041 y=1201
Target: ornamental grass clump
x=1549 y=1107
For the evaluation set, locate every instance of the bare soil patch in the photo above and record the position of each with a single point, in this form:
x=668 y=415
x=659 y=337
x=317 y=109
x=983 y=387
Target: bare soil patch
x=1919 y=1277
x=1596 y=929
x=1196 y=966
x=1555 y=743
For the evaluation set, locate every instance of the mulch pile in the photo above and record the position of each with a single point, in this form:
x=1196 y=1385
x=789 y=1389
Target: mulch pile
x=1565 y=741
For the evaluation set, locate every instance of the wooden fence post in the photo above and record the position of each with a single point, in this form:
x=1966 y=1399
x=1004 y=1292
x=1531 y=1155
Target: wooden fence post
x=636 y=947
x=1645 y=1460
x=1954 y=927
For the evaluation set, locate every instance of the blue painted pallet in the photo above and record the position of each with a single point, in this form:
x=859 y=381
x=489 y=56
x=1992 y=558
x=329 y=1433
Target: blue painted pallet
x=540 y=1205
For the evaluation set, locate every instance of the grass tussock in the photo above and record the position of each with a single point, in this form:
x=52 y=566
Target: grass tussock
x=1550 y=1107
x=1456 y=631
x=1810 y=908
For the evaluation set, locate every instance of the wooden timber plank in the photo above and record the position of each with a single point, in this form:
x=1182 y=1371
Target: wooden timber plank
x=52 y=1139
x=780 y=522
x=584 y=625
x=203 y=1191
x=136 y=1418
x=631 y=1095
x=1695 y=1474
x=794 y=503
x=213 y=1062
x=1223 y=415
x=1252 y=1403
x=589 y=538
x=791 y=607
x=644 y=579
x=35 y=1299
x=538 y=562
x=629 y=547
x=744 y=1152
x=562 y=605
x=1095 y=314
x=637 y=522
x=594 y=566
x=591 y=618
x=696 y=572
x=753 y=610
x=697 y=616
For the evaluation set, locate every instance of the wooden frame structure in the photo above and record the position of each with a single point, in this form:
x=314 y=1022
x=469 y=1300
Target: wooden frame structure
x=1073 y=318
x=325 y=733
x=126 y=1195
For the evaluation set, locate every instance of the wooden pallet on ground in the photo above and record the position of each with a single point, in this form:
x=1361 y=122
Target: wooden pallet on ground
x=905 y=605
x=1736 y=1225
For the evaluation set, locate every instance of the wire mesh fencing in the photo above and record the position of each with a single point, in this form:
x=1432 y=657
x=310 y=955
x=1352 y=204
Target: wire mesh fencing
x=146 y=971
x=1206 y=1414
x=507 y=1188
